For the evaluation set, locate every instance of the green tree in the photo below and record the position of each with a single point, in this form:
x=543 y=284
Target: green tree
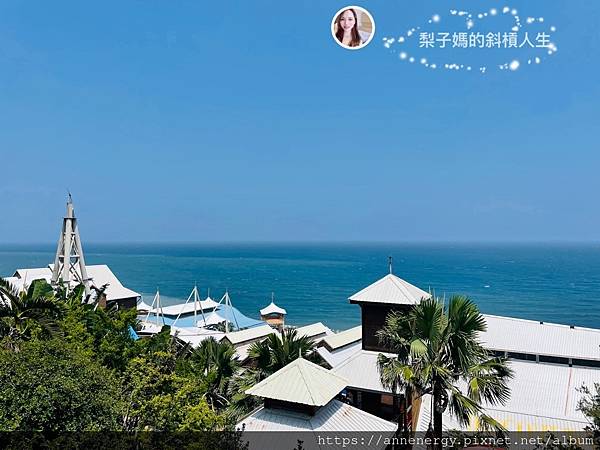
x=53 y=387
x=158 y=398
x=438 y=353
x=590 y=406
x=267 y=356
x=215 y=363
x=102 y=333
x=276 y=352
x=24 y=314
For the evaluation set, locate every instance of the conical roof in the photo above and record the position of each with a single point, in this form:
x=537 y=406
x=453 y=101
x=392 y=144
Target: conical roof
x=301 y=381
x=272 y=309
x=392 y=290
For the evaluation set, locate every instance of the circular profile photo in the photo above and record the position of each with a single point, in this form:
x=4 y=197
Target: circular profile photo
x=353 y=27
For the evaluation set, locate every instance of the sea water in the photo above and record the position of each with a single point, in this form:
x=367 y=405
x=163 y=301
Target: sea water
x=547 y=282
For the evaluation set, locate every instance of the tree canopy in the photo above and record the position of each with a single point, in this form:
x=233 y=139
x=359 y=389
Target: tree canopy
x=438 y=353
x=51 y=386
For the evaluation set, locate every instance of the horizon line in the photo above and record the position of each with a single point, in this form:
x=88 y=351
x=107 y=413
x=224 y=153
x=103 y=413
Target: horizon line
x=321 y=242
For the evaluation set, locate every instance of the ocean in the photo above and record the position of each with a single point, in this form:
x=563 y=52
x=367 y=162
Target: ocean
x=547 y=282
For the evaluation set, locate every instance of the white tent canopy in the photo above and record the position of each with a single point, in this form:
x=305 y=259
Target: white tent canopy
x=213 y=318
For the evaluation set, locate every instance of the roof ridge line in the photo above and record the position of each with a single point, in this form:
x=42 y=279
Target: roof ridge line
x=397 y=281
x=310 y=393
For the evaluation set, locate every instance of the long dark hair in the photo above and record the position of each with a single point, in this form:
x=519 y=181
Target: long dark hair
x=339 y=34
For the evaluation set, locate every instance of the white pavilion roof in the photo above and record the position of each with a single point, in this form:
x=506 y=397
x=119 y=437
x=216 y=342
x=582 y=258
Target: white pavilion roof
x=100 y=275
x=390 y=289
x=272 y=308
x=334 y=417
x=301 y=381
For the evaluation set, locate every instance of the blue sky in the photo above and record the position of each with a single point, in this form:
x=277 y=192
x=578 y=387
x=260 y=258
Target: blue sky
x=204 y=121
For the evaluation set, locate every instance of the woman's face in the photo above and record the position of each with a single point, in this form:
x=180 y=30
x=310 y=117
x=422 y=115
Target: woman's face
x=347 y=20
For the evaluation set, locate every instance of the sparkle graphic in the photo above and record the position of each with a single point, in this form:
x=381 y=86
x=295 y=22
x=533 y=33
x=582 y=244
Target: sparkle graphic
x=474 y=22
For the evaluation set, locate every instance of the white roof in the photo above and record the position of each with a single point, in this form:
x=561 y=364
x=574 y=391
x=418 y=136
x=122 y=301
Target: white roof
x=335 y=417
x=150 y=327
x=194 y=335
x=100 y=275
x=343 y=338
x=313 y=330
x=335 y=357
x=143 y=306
x=272 y=309
x=390 y=289
x=250 y=334
x=188 y=308
x=212 y=318
x=543 y=397
x=361 y=371
x=301 y=381
x=528 y=336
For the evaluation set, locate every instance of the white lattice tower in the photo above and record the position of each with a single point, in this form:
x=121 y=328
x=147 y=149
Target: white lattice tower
x=69 y=263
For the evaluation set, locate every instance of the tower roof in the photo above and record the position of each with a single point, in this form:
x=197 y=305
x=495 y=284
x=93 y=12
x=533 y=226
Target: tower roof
x=272 y=309
x=391 y=290
x=301 y=381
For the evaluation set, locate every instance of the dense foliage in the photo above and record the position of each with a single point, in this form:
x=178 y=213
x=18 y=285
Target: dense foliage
x=53 y=386
x=66 y=365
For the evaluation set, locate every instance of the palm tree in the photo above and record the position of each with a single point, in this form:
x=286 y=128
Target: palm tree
x=22 y=311
x=267 y=357
x=438 y=353
x=276 y=352
x=217 y=363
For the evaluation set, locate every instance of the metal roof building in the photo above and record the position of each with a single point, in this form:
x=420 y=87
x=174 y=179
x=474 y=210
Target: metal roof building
x=301 y=398
x=343 y=338
x=335 y=416
x=550 y=342
x=335 y=357
x=301 y=381
x=361 y=371
x=314 y=331
x=543 y=397
x=390 y=290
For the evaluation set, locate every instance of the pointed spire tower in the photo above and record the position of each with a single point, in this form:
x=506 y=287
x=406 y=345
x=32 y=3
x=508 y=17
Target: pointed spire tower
x=69 y=263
